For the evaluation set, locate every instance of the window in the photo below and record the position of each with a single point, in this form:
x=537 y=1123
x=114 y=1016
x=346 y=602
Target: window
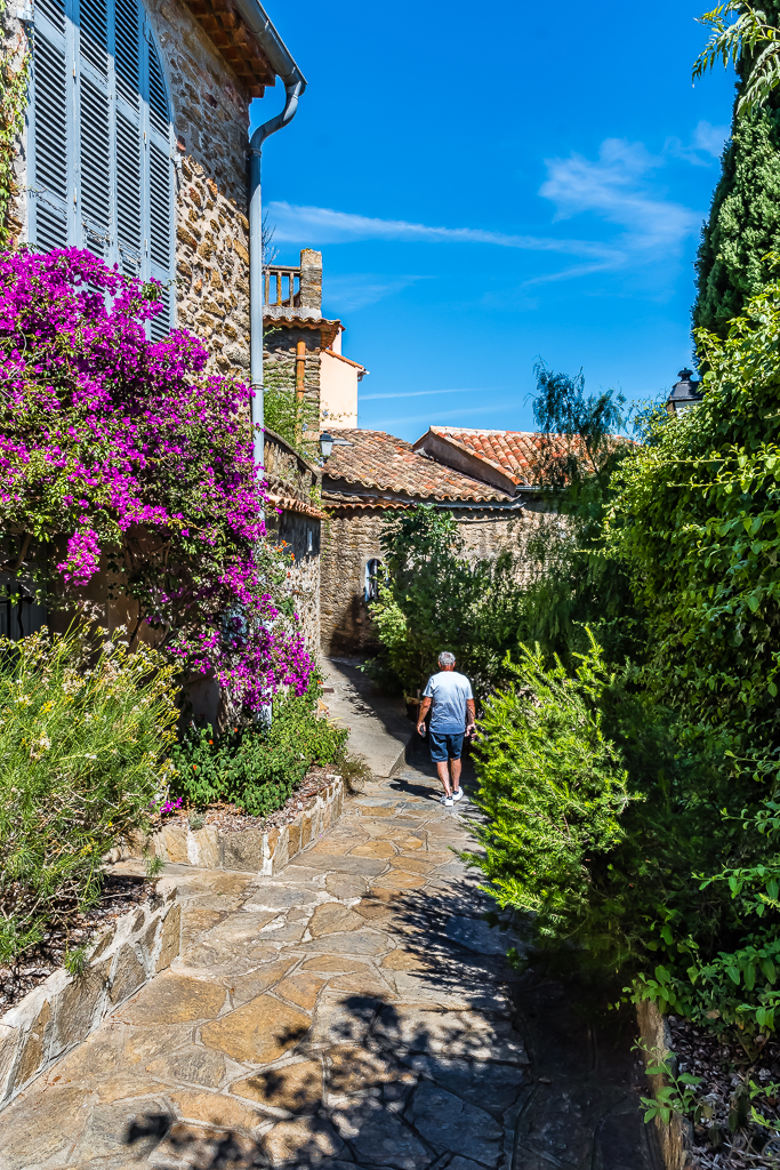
x=20 y=614
x=371 y=580
x=100 y=157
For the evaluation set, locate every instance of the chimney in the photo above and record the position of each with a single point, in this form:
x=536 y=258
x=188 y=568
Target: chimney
x=311 y=280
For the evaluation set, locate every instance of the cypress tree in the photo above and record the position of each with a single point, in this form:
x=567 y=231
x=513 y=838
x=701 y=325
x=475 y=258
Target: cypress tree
x=744 y=221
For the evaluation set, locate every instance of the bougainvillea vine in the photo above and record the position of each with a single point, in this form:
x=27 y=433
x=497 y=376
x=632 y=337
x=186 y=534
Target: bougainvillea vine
x=123 y=455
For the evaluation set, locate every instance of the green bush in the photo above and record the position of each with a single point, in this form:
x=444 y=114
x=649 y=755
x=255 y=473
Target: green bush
x=553 y=788
x=84 y=729
x=257 y=768
x=433 y=599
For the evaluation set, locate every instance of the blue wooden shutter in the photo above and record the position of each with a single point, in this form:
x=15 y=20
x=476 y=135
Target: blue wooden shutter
x=161 y=262
x=51 y=123
x=101 y=139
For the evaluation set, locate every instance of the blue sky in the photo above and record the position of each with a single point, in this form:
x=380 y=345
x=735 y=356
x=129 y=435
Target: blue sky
x=490 y=186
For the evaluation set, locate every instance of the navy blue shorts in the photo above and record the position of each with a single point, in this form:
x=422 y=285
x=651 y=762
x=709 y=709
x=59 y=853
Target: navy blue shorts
x=446 y=745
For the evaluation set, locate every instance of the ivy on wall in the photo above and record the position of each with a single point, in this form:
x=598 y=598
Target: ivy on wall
x=14 y=72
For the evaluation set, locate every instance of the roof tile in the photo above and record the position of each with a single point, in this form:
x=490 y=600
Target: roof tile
x=375 y=459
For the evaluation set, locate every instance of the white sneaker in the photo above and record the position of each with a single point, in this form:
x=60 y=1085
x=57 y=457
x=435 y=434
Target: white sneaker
x=458 y=795
x=447 y=800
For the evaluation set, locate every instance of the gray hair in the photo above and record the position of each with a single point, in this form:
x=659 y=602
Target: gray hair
x=446 y=658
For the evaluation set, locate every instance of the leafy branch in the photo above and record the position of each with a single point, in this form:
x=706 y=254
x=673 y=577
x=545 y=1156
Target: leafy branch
x=740 y=33
x=14 y=71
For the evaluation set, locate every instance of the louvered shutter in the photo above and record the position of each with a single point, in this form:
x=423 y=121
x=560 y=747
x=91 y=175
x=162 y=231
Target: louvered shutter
x=131 y=150
x=51 y=123
x=160 y=190
x=101 y=139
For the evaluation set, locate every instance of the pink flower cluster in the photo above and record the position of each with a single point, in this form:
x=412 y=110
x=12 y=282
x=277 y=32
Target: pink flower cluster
x=128 y=452
x=83 y=558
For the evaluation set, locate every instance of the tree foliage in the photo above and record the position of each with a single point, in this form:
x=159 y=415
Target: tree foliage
x=553 y=788
x=684 y=898
x=431 y=598
x=744 y=221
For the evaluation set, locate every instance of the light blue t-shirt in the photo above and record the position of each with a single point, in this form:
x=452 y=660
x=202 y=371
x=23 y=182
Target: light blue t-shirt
x=448 y=691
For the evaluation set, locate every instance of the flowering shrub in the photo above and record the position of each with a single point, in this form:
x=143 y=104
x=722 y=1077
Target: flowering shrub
x=121 y=453
x=259 y=768
x=84 y=736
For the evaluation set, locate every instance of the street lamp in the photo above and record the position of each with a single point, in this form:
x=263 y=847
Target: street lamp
x=326 y=444
x=685 y=393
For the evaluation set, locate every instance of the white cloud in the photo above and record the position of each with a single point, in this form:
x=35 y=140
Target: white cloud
x=705 y=147
x=619 y=188
x=293 y=222
x=452 y=416
x=710 y=139
x=419 y=394
x=357 y=291
x=614 y=188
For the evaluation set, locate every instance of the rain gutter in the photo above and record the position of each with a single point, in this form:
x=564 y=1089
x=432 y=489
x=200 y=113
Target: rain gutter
x=284 y=66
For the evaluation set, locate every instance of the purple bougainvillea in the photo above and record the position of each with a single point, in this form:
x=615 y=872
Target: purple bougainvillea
x=126 y=454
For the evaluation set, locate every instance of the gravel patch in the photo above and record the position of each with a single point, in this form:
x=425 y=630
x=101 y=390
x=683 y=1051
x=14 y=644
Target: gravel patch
x=725 y=1070
x=231 y=819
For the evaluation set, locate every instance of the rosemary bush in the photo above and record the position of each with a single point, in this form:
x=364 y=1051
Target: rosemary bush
x=84 y=734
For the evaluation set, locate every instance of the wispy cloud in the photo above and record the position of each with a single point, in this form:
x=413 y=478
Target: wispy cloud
x=359 y=290
x=293 y=222
x=445 y=416
x=419 y=394
x=614 y=187
x=705 y=147
x=619 y=194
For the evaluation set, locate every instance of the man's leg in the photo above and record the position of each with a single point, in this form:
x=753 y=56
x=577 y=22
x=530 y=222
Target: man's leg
x=442 y=767
x=455 y=767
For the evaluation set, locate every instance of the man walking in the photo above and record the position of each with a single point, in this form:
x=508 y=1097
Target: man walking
x=449 y=694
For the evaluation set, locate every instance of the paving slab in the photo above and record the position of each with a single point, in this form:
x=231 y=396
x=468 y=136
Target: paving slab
x=379 y=729
x=356 y=1011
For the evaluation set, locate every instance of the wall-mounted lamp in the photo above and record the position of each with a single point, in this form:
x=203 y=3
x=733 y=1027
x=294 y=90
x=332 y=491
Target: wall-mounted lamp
x=685 y=393
x=326 y=444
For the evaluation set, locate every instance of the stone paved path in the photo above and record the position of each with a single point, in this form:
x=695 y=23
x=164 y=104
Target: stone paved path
x=356 y=1010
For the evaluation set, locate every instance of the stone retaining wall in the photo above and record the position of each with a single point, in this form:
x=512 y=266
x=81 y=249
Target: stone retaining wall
x=63 y=1010
x=251 y=850
x=674 y=1138
x=352 y=538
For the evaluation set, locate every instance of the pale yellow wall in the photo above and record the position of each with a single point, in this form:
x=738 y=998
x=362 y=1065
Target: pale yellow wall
x=338 y=392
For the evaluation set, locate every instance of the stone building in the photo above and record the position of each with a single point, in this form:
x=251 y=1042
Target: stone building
x=135 y=147
x=295 y=521
x=369 y=475
x=303 y=357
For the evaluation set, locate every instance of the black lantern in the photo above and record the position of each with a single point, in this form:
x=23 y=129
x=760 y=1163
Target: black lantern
x=685 y=393
x=326 y=444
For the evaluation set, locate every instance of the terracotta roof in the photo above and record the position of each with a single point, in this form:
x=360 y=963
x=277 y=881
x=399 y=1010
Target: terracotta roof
x=293 y=504
x=515 y=453
x=376 y=460
x=275 y=315
x=332 y=353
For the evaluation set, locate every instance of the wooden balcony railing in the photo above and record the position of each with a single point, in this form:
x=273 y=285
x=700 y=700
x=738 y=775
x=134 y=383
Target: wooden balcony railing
x=283 y=286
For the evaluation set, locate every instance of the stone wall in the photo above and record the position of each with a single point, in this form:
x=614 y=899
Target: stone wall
x=294 y=485
x=353 y=538
x=253 y=850
x=280 y=342
x=63 y=1010
x=210 y=122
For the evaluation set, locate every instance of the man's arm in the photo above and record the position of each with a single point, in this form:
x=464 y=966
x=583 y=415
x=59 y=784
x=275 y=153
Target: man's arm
x=425 y=707
x=470 y=716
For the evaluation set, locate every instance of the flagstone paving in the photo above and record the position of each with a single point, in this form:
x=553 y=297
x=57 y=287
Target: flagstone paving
x=355 y=1010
